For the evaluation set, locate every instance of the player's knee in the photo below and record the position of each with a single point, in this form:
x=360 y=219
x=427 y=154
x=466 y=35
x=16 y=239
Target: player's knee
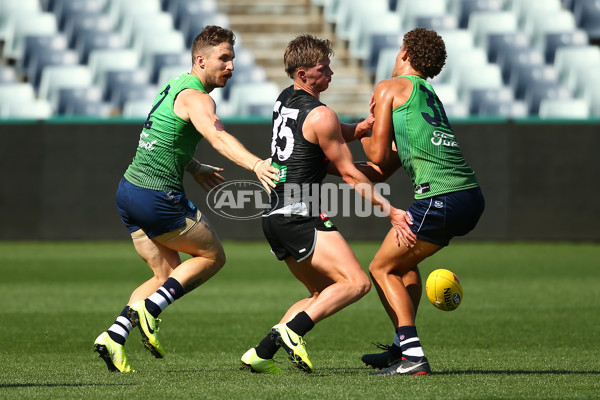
x=220 y=259
x=363 y=286
x=375 y=270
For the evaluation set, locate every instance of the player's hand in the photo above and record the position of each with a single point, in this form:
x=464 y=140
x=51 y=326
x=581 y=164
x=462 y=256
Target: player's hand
x=208 y=177
x=266 y=174
x=401 y=221
x=365 y=125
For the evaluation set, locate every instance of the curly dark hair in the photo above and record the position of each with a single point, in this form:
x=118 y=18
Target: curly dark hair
x=426 y=51
x=305 y=51
x=211 y=36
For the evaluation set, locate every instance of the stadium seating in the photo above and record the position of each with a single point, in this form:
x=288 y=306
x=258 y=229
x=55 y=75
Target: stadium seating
x=553 y=41
x=540 y=89
x=500 y=45
x=149 y=42
x=538 y=25
x=257 y=96
x=158 y=61
x=504 y=108
x=409 y=11
x=103 y=60
x=17 y=100
x=46 y=57
x=25 y=24
x=68 y=98
x=463 y=8
x=56 y=77
x=588 y=80
x=181 y=9
x=372 y=23
x=114 y=80
x=571 y=61
x=36 y=44
x=592 y=95
x=145 y=20
x=246 y=71
x=67 y=10
x=39 y=34
x=379 y=42
x=466 y=59
x=478 y=98
x=523 y=74
x=587 y=15
x=8 y=74
x=75 y=28
x=350 y=13
x=120 y=9
x=17 y=92
x=91 y=40
x=171 y=71
x=38 y=109
x=385 y=63
x=10 y=9
x=564 y=109
x=137 y=109
x=192 y=24
x=87 y=108
x=127 y=91
x=476 y=77
x=524 y=9
x=517 y=66
x=483 y=23
x=436 y=22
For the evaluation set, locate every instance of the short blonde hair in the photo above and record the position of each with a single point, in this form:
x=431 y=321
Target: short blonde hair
x=305 y=51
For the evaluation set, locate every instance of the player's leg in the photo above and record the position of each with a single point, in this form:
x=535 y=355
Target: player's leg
x=110 y=345
x=397 y=279
x=159 y=258
x=335 y=279
x=202 y=243
x=198 y=239
x=332 y=274
x=398 y=282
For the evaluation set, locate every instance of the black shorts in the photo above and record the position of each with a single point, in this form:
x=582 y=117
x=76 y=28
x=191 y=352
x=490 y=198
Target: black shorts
x=294 y=235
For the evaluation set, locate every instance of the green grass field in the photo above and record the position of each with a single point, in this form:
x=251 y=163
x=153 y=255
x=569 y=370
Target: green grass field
x=528 y=328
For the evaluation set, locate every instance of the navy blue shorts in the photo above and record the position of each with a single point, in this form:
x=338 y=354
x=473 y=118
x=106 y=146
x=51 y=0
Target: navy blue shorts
x=154 y=211
x=438 y=219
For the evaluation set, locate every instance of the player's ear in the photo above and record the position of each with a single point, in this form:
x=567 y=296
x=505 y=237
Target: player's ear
x=199 y=60
x=301 y=74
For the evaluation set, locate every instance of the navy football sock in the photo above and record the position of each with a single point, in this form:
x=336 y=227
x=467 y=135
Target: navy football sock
x=170 y=291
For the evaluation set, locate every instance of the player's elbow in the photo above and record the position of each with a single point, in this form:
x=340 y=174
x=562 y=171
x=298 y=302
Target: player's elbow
x=378 y=157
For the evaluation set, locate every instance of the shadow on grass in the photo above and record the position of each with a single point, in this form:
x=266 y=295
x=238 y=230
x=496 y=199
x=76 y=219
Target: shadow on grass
x=19 y=385
x=516 y=372
x=364 y=371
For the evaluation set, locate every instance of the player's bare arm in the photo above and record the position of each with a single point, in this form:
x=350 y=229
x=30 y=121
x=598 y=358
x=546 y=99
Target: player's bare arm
x=378 y=147
x=322 y=127
x=378 y=173
x=199 y=107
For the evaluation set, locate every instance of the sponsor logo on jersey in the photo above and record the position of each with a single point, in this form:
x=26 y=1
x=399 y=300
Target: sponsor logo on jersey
x=444 y=139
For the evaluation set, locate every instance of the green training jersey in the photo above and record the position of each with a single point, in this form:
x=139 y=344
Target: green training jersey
x=426 y=144
x=167 y=142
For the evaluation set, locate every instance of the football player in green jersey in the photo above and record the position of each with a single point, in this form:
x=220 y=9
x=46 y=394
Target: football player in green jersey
x=152 y=202
x=412 y=130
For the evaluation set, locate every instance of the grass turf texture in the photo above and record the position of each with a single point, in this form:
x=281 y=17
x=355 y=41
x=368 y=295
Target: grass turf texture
x=527 y=328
